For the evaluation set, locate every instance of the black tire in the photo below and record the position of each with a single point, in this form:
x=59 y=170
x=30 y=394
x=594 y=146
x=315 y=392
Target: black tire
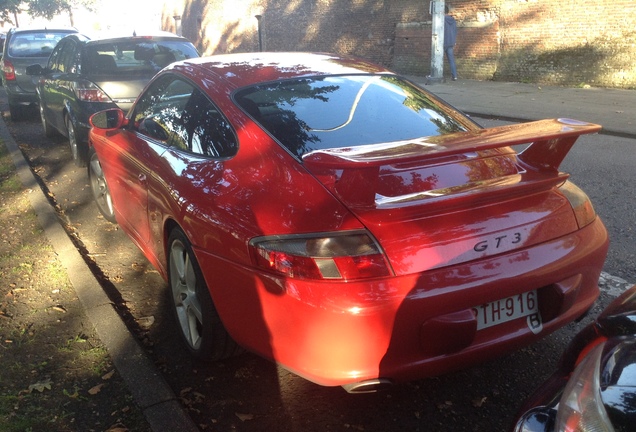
x=99 y=188
x=49 y=131
x=16 y=112
x=79 y=150
x=197 y=319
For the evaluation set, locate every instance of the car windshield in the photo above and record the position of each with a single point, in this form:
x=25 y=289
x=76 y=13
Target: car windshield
x=34 y=44
x=134 y=57
x=318 y=113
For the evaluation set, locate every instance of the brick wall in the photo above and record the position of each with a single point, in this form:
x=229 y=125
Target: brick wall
x=570 y=42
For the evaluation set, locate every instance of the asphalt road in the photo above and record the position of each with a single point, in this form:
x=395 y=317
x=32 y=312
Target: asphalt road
x=250 y=394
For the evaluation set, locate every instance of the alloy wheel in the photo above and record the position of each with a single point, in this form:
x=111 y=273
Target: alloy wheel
x=183 y=283
x=100 y=190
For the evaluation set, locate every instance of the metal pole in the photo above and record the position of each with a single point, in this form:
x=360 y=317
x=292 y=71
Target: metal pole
x=260 y=34
x=177 y=24
x=436 y=9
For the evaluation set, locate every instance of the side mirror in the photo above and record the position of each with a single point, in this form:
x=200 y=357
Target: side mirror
x=113 y=118
x=35 y=70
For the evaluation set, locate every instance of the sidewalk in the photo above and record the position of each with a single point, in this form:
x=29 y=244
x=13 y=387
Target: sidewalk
x=614 y=109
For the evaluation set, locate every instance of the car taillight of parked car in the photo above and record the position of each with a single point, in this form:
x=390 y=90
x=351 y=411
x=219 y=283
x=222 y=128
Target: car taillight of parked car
x=581 y=204
x=347 y=256
x=86 y=91
x=8 y=70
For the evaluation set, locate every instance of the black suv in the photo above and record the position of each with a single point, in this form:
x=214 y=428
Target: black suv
x=24 y=47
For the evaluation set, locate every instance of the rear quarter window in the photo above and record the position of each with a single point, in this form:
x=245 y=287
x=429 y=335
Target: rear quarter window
x=179 y=115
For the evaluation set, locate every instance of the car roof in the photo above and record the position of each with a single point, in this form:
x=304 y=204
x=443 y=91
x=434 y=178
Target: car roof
x=119 y=37
x=113 y=36
x=15 y=30
x=240 y=70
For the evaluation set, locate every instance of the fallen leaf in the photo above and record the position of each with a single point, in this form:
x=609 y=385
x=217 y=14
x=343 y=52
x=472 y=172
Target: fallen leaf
x=93 y=391
x=73 y=395
x=41 y=386
x=444 y=405
x=117 y=428
x=146 y=322
x=244 y=417
x=478 y=402
x=109 y=375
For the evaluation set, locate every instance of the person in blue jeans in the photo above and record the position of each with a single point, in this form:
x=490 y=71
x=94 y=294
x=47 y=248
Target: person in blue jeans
x=450 y=37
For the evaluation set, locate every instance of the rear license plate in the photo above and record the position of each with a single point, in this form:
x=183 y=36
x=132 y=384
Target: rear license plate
x=508 y=309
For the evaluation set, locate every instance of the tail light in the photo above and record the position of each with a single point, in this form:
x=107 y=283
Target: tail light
x=581 y=204
x=87 y=91
x=334 y=256
x=8 y=70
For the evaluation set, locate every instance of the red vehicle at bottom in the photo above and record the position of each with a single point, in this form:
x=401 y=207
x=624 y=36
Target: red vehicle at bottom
x=330 y=215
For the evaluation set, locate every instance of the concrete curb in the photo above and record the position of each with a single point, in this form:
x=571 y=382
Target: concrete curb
x=148 y=387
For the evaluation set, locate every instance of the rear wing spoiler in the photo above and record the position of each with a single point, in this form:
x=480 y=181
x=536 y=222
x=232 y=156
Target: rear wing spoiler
x=353 y=173
x=550 y=141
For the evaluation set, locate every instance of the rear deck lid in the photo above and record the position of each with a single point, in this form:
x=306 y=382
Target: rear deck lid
x=122 y=67
x=447 y=199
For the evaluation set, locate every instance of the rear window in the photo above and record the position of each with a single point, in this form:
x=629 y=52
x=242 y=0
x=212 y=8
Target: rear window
x=34 y=44
x=134 y=57
x=318 y=113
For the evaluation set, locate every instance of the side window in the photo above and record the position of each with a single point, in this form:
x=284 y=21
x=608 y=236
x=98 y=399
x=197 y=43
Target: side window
x=177 y=113
x=53 y=63
x=158 y=111
x=66 y=57
x=203 y=130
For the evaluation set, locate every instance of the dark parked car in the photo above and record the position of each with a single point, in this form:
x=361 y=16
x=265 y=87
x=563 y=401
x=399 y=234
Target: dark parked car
x=334 y=217
x=594 y=388
x=85 y=75
x=22 y=48
x=3 y=38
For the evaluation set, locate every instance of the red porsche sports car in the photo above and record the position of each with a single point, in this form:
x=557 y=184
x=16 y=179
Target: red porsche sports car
x=332 y=216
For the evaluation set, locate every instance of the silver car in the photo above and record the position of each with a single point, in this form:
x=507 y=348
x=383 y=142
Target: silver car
x=22 y=48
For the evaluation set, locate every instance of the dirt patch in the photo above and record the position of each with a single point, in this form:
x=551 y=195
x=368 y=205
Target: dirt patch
x=55 y=373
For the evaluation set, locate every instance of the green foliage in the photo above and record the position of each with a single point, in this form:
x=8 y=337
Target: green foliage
x=8 y=8
x=41 y=8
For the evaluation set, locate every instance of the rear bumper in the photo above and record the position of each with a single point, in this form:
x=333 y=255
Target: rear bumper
x=406 y=327
x=17 y=96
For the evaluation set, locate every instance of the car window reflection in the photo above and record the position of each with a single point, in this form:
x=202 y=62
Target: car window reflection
x=318 y=113
x=181 y=116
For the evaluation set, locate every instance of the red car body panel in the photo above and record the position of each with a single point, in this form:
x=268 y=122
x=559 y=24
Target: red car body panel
x=466 y=223
x=403 y=327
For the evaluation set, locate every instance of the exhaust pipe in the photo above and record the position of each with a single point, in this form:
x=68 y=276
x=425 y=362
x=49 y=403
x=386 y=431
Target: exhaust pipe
x=368 y=386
